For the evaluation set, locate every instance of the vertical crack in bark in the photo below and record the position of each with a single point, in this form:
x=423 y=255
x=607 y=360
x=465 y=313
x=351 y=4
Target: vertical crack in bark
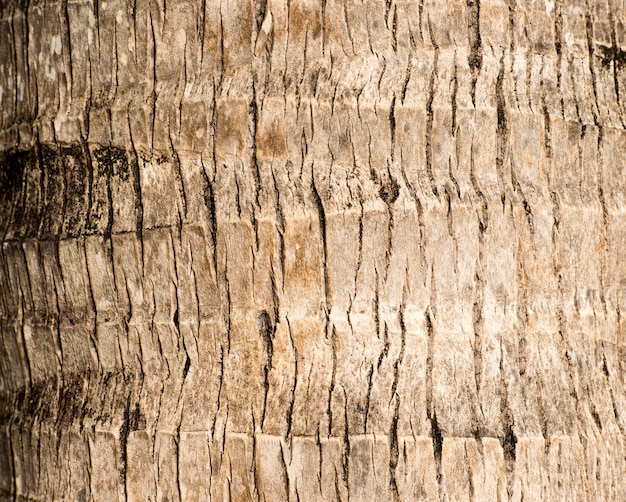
x=134 y=167
x=54 y=289
x=420 y=19
x=129 y=424
x=196 y=300
x=522 y=315
x=266 y=332
x=24 y=293
x=180 y=338
x=477 y=312
x=394 y=28
x=385 y=350
x=91 y=307
x=359 y=260
x=453 y=103
x=253 y=457
x=368 y=395
x=13 y=65
x=392 y=128
x=407 y=78
x=376 y=310
x=556 y=258
x=220 y=382
x=398 y=363
x=475 y=56
x=429 y=364
x=618 y=58
x=347 y=23
x=595 y=109
x=389 y=192
x=477 y=322
x=177 y=453
x=512 y=4
x=574 y=85
x=67 y=54
x=502 y=130
x=470 y=469
x=220 y=62
x=227 y=314
x=345 y=453
x=558 y=45
x=238 y=196
x=181 y=185
x=280 y=232
x=605 y=218
x=429 y=113
x=331 y=386
x=393 y=447
x=393 y=432
x=508 y=440
x=292 y=392
x=322 y=224
x=209 y=201
x=151 y=43
x=115 y=77
x=420 y=214
x=320 y=456
x=12 y=467
x=329 y=328
x=607 y=376
x=323 y=23
x=260 y=8
x=284 y=471
x=253 y=129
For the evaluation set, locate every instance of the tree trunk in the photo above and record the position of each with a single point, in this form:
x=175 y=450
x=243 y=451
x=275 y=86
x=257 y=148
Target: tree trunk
x=312 y=250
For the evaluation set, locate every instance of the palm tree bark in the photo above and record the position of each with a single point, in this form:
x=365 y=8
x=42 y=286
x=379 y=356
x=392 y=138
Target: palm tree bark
x=312 y=250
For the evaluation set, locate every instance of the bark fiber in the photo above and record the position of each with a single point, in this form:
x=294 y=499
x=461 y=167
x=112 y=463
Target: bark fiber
x=312 y=250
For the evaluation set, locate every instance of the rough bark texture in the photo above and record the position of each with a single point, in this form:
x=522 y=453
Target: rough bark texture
x=312 y=250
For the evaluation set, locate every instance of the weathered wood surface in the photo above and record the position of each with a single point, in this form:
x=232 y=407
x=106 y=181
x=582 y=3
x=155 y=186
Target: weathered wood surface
x=312 y=250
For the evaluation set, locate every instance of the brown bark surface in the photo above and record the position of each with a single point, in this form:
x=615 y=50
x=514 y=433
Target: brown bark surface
x=302 y=250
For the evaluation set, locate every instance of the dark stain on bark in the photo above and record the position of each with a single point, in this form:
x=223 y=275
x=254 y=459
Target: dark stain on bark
x=31 y=404
x=74 y=160
x=437 y=438
x=509 y=442
x=113 y=161
x=70 y=404
x=475 y=57
x=613 y=55
x=122 y=167
x=389 y=188
x=53 y=192
x=596 y=417
x=11 y=175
